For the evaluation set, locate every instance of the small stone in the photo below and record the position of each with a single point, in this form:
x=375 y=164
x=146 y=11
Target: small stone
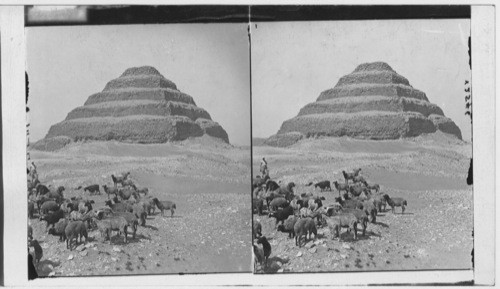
x=84 y=253
x=309 y=245
x=70 y=257
x=312 y=250
x=52 y=274
x=116 y=249
x=114 y=259
x=345 y=246
x=80 y=248
x=281 y=270
x=279 y=263
x=299 y=254
x=335 y=265
x=343 y=256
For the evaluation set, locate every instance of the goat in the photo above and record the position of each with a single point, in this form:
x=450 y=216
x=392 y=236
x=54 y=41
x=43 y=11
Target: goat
x=288 y=226
x=360 y=179
x=74 y=230
x=257 y=205
x=266 y=246
x=375 y=187
x=119 y=178
x=341 y=187
x=360 y=216
x=38 y=251
x=115 y=223
x=303 y=227
x=109 y=191
x=257 y=229
x=278 y=203
x=350 y=176
x=337 y=222
x=396 y=202
x=165 y=205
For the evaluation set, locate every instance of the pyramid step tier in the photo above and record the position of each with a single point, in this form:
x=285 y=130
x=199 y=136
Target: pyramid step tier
x=371 y=103
x=137 y=128
x=378 y=77
x=367 y=89
x=138 y=107
x=140 y=81
x=156 y=94
x=371 y=125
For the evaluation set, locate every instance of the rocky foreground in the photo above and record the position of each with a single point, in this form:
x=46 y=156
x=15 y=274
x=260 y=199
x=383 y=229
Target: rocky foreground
x=429 y=172
x=209 y=232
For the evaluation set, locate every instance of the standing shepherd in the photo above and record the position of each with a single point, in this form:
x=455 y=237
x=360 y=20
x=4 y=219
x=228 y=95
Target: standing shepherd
x=263 y=168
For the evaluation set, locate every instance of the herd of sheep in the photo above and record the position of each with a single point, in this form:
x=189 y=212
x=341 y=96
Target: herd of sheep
x=70 y=219
x=301 y=215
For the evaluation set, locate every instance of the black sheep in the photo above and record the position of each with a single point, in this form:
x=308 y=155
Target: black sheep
x=31 y=209
x=59 y=229
x=281 y=215
x=30 y=232
x=266 y=246
x=257 y=205
x=92 y=189
x=41 y=190
x=52 y=218
x=288 y=226
x=271 y=185
x=38 y=251
x=323 y=185
x=278 y=203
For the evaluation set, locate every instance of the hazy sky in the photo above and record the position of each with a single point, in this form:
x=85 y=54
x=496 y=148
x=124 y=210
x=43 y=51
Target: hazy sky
x=293 y=62
x=210 y=62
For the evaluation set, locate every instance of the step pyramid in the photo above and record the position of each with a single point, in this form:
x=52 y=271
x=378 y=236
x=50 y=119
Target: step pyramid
x=372 y=102
x=140 y=106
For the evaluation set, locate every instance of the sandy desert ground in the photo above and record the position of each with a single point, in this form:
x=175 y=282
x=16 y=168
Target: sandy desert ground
x=207 y=179
x=429 y=171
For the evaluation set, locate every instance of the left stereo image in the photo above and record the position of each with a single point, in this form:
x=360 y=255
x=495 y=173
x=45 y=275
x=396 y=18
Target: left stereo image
x=138 y=149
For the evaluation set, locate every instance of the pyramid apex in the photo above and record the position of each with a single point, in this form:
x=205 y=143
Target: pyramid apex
x=141 y=70
x=370 y=66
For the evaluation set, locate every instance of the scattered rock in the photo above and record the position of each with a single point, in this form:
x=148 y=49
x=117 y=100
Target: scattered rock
x=312 y=250
x=309 y=245
x=70 y=257
x=117 y=249
x=52 y=274
x=299 y=254
x=84 y=253
x=281 y=270
x=346 y=246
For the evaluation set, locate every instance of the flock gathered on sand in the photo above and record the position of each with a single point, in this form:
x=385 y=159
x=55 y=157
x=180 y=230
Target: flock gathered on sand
x=357 y=204
x=71 y=219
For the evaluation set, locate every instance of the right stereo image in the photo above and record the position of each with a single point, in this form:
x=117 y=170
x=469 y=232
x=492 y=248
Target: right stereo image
x=361 y=145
